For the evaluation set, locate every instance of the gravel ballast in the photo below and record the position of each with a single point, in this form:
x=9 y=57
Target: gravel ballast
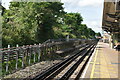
x=32 y=70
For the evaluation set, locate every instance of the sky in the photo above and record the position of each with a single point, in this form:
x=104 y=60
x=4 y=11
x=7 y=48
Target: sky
x=91 y=11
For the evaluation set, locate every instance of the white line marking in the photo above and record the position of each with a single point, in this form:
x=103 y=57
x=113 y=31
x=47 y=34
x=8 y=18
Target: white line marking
x=86 y=68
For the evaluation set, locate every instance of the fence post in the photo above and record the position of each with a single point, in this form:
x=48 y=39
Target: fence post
x=56 y=47
x=30 y=52
x=67 y=38
x=17 y=57
x=7 y=64
x=39 y=52
x=46 y=50
x=34 y=52
x=51 y=49
x=23 y=58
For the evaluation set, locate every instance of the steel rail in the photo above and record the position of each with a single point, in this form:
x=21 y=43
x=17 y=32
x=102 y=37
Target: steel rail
x=59 y=67
x=83 y=67
x=74 y=67
x=56 y=72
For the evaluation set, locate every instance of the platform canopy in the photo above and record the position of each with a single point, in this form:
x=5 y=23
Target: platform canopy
x=111 y=16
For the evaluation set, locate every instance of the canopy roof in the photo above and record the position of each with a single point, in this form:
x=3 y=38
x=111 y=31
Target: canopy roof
x=111 y=17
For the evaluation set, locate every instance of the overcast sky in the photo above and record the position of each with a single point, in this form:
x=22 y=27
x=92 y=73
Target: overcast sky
x=91 y=11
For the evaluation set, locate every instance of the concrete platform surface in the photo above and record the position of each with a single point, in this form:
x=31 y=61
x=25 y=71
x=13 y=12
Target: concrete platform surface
x=104 y=63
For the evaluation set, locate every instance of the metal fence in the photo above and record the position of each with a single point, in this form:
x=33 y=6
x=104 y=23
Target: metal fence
x=17 y=58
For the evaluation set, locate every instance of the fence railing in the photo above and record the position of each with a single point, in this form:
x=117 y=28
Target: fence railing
x=17 y=58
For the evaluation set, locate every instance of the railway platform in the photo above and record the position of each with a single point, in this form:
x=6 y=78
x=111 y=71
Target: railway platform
x=104 y=63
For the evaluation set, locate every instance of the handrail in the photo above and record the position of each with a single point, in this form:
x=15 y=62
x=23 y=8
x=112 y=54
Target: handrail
x=47 y=41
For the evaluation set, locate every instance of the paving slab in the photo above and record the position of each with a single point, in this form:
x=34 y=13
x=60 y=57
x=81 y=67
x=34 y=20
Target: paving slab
x=105 y=63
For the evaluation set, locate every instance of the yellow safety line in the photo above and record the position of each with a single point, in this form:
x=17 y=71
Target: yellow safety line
x=105 y=73
x=93 y=67
x=95 y=63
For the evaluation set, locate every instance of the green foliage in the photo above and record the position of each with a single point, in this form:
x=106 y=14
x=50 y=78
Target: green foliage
x=73 y=19
x=29 y=23
x=98 y=34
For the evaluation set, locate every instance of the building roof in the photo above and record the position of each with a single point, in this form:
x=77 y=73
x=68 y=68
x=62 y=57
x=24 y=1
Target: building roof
x=111 y=17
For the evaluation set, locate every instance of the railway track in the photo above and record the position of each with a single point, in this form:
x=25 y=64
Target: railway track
x=71 y=67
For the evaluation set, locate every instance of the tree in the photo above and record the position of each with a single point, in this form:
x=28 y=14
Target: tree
x=29 y=23
x=50 y=14
x=98 y=34
x=2 y=9
x=73 y=20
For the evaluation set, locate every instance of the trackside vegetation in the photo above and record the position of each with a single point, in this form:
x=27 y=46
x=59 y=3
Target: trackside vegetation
x=27 y=23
